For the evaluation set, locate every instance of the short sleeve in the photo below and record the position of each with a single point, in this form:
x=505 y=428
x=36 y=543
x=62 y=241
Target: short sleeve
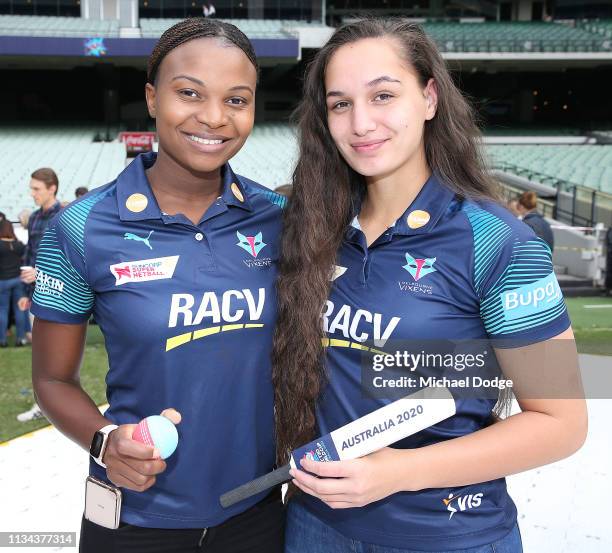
x=62 y=293
x=520 y=297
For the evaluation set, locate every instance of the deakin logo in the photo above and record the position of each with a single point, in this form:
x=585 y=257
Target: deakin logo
x=132 y=236
x=419 y=268
x=252 y=244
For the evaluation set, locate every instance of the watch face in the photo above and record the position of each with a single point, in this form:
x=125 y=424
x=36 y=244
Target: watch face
x=96 y=444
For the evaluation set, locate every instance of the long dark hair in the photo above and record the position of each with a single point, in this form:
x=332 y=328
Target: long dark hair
x=6 y=228
x=325 y=193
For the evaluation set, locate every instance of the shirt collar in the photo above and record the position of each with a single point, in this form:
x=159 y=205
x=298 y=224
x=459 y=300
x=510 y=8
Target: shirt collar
x=136 y=201
x=423 y=213
x=52 y=210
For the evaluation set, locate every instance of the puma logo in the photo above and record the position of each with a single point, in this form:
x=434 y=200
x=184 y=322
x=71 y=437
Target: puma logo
x=132 y=236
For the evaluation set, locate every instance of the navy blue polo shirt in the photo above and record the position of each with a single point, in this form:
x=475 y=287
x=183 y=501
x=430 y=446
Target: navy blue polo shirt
x=187 y=312
x=447 y=269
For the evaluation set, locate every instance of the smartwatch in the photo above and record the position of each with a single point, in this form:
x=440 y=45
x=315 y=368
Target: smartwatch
x=99 y=442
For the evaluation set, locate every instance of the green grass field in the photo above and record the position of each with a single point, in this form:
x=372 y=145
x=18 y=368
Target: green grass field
x=592 y=326
x=16 y=391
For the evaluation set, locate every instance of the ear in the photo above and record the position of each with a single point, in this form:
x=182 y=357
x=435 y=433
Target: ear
x=431 y=97
x=150 y=95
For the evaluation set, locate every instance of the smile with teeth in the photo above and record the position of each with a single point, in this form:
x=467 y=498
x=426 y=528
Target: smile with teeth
x=203 y=140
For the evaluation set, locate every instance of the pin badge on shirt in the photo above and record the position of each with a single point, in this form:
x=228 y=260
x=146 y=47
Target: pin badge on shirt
x=136 y=203
x=236 y=192
x=417 y=218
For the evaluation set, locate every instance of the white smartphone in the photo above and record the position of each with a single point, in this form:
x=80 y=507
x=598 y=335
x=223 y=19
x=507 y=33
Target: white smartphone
x=102 y=503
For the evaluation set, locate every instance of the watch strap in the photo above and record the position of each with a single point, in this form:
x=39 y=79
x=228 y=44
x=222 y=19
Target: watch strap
x=105 y=430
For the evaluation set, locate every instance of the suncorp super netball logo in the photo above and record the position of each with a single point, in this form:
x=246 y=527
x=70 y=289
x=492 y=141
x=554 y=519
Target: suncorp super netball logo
x=144 y=270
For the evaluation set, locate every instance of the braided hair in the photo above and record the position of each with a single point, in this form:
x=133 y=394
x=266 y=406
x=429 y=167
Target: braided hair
x=191 y=29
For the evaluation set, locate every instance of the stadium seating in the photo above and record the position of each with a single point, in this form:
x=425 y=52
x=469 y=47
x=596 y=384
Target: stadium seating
x=593 y=36
x=52 y=26
x=601 y=27
x=253 y=28
x=70 y=151
x=269 y=154
x=514 y=37
x=586 y=165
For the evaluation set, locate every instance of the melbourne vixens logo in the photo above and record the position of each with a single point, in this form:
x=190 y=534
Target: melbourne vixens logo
x=253 y=245
x=419 y=268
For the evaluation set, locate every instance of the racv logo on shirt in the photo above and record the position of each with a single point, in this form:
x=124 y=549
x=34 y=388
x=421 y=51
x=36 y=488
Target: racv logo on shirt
x=459 y=503
x=212 y=313
x=358 y=325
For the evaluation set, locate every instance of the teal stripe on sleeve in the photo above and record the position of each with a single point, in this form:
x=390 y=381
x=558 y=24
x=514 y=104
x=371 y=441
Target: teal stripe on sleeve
x=58 y=285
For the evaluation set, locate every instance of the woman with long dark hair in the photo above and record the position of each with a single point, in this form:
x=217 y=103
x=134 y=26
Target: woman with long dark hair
x=176 y=259
x=11 y=287
x=393 y=232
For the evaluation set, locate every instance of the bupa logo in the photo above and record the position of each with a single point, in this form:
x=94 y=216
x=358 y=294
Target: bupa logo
x=459 y=503
x=252 y=244
x=531 y=299
x=419 y=268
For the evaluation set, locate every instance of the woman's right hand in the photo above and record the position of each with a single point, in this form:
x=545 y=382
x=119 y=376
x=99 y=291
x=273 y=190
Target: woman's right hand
x=131 y=464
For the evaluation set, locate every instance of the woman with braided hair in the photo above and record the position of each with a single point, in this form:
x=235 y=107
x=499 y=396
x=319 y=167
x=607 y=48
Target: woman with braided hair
x=176 y=261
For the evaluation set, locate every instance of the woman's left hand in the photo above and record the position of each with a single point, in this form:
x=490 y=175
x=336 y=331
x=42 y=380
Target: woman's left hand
x=354 y=483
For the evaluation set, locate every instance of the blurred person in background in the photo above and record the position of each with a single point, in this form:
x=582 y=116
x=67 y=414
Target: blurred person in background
x=21 y=232
x=43 y=189
x=512 y=207
x=80 y=191
x=527 y=207
x=284 y=189
x=208 y=10
x=11 y=287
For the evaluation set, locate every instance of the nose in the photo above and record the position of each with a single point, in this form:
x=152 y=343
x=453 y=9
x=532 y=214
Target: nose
x=362 y=119
x=213 y=114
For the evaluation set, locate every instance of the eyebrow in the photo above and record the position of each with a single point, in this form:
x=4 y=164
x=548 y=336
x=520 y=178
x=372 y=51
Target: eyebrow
x=201 y=83
x=374 y=82
x=193 y=79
